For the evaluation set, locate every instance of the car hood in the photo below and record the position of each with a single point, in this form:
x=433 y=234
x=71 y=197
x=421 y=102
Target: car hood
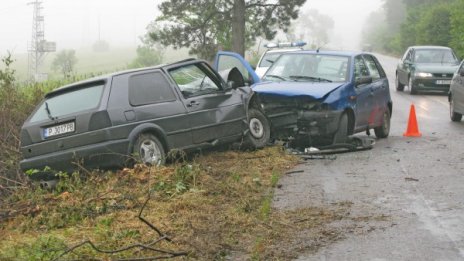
x=436 y=68
x=316 y=90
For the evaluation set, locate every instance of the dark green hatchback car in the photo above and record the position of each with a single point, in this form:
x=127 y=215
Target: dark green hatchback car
x=140 y=114
x=426 y=68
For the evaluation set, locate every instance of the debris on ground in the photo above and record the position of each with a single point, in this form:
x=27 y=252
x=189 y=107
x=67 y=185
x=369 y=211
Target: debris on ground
x=354 y=143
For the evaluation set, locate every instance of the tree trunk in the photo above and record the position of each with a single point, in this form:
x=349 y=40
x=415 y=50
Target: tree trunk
x=238 y=27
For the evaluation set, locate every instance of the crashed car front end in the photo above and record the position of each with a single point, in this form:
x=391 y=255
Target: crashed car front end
x=301 y=114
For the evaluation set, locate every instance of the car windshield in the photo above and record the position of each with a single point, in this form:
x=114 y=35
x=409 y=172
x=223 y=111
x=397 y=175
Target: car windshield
x=69 y=102
x=309 y=67
x=268 y=59
x=435 y=56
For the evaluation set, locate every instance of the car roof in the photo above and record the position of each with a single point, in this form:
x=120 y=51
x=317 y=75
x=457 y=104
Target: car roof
x=325 y=52
x=429 y=47
x=106 y=77
x=283 y=50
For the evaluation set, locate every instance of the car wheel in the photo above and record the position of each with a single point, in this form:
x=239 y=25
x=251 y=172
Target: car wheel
x=149 y=150
x=341 y=136
x=384 y=130
x=412 y=88
x=454 y=115
x=259 y=130
x=399 y=86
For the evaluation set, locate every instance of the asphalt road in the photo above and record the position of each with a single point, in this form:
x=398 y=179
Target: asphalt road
x=407 y=194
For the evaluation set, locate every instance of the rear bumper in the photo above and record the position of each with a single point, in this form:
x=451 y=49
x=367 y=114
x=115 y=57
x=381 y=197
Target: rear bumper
x=101 y=155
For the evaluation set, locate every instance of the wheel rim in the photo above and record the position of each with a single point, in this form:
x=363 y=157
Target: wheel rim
x=256 y=128
x=150 y=153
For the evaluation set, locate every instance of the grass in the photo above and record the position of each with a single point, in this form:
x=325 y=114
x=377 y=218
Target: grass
x=215 y=206
x=90 y=62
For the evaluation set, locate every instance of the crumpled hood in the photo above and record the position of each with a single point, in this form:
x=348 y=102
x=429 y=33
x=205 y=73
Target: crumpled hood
x=436 y=68
x=315 y=90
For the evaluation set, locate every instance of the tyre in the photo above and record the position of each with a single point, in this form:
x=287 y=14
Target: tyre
x=341 y=136
x=259 y=130
x=149 y=150
x=454 y=115
x=384 y=130
x=412 y=88
x=399 y=86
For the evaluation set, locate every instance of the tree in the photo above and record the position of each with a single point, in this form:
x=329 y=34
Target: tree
x=315 y=27
x=208 y=25
x=64 y=62
x=150 y=52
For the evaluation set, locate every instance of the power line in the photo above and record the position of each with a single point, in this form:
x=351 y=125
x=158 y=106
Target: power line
x=38 y=47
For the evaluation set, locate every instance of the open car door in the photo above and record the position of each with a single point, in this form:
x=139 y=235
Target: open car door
x=225 y=63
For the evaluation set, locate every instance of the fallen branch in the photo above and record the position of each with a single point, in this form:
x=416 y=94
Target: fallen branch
x=165 y=254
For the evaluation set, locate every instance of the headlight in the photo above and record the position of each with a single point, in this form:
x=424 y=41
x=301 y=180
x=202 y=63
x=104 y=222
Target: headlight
x=423 y=74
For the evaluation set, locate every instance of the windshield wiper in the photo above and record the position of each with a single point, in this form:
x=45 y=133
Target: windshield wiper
x=276 y=76
x=48 y=112
x=298 y=77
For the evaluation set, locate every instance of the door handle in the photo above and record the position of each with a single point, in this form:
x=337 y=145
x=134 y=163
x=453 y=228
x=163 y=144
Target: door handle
x=193 y=103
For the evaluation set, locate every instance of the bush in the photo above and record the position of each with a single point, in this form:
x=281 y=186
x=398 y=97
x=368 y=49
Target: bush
x=16 y=103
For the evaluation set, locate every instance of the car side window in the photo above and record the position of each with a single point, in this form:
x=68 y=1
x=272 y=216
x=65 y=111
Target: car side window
x=148 y=88
x=360 y=68
x=372 y=66
x=194 y=80
x=408 y=56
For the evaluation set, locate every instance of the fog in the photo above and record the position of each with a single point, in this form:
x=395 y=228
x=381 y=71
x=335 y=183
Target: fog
x=77 y=24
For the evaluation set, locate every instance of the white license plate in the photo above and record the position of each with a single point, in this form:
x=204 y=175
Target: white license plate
x=443 y=81
x=59 y=129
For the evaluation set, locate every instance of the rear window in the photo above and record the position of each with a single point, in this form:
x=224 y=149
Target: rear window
x=70 y=102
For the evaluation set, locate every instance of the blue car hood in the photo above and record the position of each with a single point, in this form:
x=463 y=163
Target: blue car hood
x=315 y=90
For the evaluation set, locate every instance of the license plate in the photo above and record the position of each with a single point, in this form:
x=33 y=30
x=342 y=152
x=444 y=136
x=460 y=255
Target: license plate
x=59 y=129
x=444 y=82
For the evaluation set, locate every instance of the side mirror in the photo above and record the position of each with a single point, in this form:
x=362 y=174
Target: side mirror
x=461 y=73
x=363 y=80
x=407 y=62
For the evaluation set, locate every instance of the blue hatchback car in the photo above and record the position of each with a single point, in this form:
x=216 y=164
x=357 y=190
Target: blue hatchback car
x=320 y=97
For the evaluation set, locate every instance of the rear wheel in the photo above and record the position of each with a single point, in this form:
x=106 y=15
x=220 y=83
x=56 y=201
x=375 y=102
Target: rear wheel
x=384 y=130
x=149 y=150
x=399 y=86
x=454 y=115
x=341 y=136
x=259 y=130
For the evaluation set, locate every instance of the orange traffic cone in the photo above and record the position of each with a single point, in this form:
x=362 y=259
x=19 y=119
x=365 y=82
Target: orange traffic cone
x=413 y=129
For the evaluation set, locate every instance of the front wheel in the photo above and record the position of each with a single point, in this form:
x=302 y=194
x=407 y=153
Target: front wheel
x=259 y=130
x=384 y=130
x=149 y=150
x=412 y=88
x=454 y=115
x=341 y=136
x=399 y=85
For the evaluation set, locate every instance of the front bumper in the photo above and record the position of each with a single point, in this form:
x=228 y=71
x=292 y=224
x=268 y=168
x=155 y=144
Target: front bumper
x=318 y=123
x=432 y=83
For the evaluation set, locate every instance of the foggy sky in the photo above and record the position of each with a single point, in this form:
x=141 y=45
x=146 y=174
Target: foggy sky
x=74 y=23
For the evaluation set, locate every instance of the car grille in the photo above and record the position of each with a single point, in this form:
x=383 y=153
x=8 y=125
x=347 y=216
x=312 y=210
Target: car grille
x=443 y=75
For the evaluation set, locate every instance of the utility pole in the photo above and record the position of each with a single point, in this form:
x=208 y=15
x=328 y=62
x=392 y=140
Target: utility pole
x=38 y=47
